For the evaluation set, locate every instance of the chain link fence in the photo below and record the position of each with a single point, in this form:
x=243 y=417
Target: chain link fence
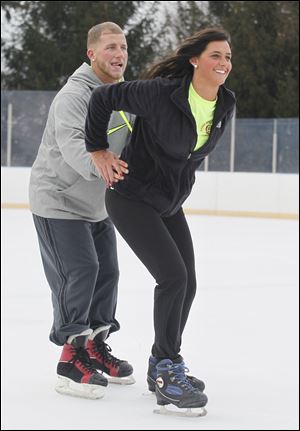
x=248 y=144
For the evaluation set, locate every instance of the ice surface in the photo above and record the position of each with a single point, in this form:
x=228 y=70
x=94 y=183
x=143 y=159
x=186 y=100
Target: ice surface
x=241 y=337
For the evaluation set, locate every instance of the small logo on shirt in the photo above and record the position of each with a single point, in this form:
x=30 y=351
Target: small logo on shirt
x=206 y=127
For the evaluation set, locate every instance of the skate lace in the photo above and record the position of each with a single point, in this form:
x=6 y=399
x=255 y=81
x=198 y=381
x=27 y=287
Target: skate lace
x=179 y=376
x=104 y=350
x=81 y=355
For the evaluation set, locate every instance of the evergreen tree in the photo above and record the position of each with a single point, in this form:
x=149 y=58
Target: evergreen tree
x=52 y=40
x=265 y=46
x=191 y=18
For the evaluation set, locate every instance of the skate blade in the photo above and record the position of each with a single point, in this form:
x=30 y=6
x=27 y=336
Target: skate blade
x=66 y=386
x=129 y=380
x=189 y=412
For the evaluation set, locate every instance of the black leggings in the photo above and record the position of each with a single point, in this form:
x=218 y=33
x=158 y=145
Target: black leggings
x=164 y=246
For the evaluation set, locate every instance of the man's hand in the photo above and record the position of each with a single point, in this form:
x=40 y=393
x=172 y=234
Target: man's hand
x=109 y=166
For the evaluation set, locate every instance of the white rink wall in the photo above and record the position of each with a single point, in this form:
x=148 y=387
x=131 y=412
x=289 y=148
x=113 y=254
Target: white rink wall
x=245 y=193
x=218 y=193
x=14 y=186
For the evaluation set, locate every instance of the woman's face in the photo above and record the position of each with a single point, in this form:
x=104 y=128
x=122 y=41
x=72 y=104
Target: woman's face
x=214 y=64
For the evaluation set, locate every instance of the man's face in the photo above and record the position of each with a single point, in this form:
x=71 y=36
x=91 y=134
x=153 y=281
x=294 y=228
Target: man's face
x=109 y=57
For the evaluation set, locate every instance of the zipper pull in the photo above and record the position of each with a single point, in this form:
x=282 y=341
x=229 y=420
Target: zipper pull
x=189 y=156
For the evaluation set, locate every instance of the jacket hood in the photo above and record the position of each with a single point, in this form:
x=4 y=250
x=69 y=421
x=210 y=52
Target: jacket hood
x=85 y=74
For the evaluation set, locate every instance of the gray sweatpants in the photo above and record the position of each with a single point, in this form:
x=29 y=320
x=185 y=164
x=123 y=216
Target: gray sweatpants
x=81 y=266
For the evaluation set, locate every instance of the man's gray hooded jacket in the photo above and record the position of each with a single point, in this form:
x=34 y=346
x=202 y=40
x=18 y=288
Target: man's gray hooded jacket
x=64 y=182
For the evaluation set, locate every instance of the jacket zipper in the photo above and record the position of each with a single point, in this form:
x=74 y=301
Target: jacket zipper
x=220 y=119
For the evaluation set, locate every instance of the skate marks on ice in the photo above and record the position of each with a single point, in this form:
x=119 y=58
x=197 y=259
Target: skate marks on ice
x=149 y=394
x=241 y=322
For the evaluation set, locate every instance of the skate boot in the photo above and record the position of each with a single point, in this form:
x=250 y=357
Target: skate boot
x=76 y=375
x=116 y=370
x=173 y=387
x=152 y=375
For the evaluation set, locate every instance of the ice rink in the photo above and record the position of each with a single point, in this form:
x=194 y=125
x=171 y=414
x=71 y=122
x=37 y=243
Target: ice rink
x=241 y=337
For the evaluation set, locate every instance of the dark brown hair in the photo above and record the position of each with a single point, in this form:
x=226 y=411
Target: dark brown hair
x=178 y=64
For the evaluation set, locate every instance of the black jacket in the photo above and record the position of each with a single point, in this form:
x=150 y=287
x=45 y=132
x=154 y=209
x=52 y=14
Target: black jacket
x=160 y=154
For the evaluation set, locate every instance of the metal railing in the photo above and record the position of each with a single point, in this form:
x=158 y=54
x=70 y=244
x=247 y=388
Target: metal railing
x=248 y=145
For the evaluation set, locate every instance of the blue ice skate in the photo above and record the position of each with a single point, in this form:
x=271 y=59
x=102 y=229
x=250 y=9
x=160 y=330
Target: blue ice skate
x=173 y=387
x=152 y=375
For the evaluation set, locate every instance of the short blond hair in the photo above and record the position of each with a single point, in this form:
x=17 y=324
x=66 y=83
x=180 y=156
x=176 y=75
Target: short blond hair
x=105 y=27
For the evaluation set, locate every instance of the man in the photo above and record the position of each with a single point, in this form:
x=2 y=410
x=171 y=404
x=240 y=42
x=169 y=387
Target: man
x=76 y=238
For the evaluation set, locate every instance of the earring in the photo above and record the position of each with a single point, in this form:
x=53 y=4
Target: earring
x=195 y=65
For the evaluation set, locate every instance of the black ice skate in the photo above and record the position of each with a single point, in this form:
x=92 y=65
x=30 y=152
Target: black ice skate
x=173 y=387
x=152 y=375
x=76 y=375
x=116 y=370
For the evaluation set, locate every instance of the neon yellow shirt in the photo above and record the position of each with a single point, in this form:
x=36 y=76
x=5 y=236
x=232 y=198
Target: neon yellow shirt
x=203 y=112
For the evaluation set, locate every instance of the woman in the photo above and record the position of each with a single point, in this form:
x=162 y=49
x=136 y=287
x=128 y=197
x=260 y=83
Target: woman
x=182 y=110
